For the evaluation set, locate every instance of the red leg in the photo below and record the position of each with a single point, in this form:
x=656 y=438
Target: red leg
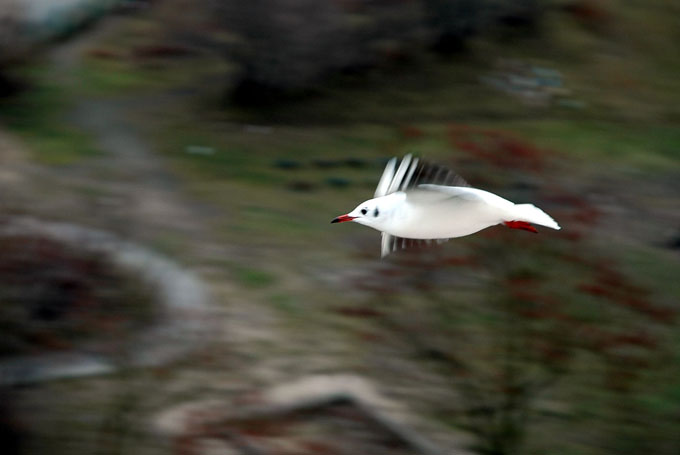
x=521 y=225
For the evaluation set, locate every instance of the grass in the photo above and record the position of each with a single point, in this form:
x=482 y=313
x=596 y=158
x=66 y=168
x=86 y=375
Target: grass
x=111 y=75
x=645 y=146
x=39 y=116
x=102 y=77
x=286 y=303
x=654 y=270
x=253 y=278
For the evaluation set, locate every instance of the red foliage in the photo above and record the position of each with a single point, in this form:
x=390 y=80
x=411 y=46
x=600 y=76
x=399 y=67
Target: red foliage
x=184 y=445
x=596 y=290
x=554 y=353
x=575 y=258
x=617 y=289
x=572 y=235
x=411 y=132
x=370 y=336
x=522 y=281
x=620 y=379
x=160 y=51
x=541 y=308
x=499 y=148
x=589 y=13
x=318 y=447
x=358 y=312
x=48 y=340
x=460 y=261
x=601 y=340
x=104 y=54
x=666 y=315
x=252 y=398
x=579 y=209
x=523 y=294
x=587 y=216
x=640 y=339
x=264 y=427
x=592 y=338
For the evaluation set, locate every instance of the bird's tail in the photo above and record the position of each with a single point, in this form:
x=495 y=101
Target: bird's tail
x=531 y=214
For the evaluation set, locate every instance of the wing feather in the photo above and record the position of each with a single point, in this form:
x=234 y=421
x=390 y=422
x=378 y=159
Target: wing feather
x=407 y=179
x=420 y=177
x=399 y=176
x=412 y=173
x=386 y=179
x=391 y=243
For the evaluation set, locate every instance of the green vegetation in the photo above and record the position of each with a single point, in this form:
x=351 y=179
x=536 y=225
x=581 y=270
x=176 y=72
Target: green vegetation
x=39 y=115
x=645 y=146
x=253 y=278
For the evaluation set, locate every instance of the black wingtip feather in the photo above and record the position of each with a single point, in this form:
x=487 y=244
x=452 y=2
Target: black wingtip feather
x=431 y=173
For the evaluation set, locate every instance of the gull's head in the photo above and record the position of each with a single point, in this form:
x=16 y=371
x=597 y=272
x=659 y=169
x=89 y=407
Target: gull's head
x=370 y=213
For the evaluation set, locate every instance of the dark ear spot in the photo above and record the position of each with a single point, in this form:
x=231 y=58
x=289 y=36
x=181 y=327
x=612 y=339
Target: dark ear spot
x=375 y=212
x=363 y=211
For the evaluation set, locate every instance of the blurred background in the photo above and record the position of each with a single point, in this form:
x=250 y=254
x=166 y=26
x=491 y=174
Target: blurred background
x=168 y=172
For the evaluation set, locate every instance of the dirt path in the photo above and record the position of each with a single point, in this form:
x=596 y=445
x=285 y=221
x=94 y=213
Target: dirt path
x=126 y=189
x=129 y=189
x=136 y=189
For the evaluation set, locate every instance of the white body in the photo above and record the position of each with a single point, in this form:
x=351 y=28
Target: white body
x=435 y=212
x=426 y=214
x=441 y=212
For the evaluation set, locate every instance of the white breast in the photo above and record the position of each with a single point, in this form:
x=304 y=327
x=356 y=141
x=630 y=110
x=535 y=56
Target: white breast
x=445 y=212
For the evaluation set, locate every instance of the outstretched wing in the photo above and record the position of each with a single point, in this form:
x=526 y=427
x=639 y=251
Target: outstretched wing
x=386 y=179
x=410 y=174
x=413 y=172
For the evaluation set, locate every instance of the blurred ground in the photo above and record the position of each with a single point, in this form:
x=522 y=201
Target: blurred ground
x=563 y=342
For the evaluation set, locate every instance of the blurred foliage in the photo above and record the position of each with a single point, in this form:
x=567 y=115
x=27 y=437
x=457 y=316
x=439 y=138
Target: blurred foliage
x=521 y=355
x=284 y=45
x=254 y=278
x=533 y=337
x=11 y=44
x=37 y=113
x=453 y=22
x=55 y=297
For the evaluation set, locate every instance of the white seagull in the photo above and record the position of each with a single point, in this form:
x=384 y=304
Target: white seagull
x=420 y=202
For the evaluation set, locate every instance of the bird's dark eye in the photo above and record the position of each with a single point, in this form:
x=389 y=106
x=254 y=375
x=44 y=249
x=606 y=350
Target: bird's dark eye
x=363 y=211
x=375 y=212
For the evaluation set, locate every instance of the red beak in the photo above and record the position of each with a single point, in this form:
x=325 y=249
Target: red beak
x=342 y=219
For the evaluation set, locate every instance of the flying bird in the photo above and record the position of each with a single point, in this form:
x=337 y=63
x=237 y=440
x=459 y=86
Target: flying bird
x=421 y=203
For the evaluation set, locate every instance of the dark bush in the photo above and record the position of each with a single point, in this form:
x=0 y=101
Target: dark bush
x=11 y=43
x=54 y=296
x=289 y=45
x=285 y=43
